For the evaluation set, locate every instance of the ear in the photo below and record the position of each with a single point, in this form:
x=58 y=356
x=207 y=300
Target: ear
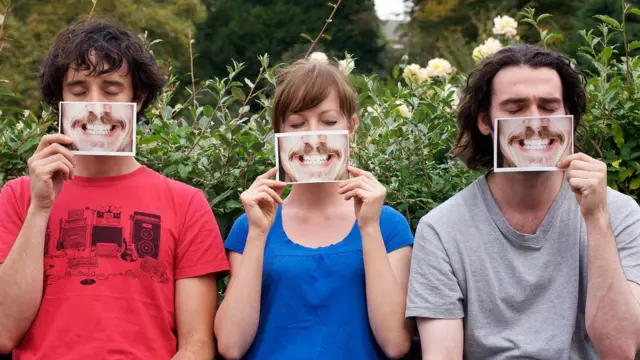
x=140 y=98
x=353 y=124
x=484 y=124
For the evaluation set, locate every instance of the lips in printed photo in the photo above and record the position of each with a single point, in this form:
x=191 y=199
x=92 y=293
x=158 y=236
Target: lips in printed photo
x=313 y=156
x=99 y=128
x=533 y=142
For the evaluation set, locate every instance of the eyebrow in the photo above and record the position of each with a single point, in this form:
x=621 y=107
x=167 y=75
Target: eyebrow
x=113 y=83
x=331 y=110
x=519 y=101
x=75 y=82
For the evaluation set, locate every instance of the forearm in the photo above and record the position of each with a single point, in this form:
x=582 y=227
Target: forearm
x=203 y=350
x=612 y=312
x=21 y=279
x=386 y=296
x=237 y=319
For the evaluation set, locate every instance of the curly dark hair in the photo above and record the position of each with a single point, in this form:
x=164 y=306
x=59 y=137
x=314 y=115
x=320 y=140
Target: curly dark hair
x=111 y=44
x=475 y=148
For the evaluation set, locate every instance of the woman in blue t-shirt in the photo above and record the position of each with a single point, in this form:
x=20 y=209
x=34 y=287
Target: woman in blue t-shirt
x=324 y=273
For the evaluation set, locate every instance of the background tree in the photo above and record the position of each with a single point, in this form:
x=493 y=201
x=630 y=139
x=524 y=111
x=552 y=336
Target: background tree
x=32 y=25
x=240 y=29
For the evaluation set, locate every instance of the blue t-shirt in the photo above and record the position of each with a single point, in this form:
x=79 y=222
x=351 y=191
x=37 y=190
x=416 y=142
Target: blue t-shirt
x=313 y=302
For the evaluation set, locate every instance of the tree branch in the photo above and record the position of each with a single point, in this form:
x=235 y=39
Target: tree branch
x=313 y=44
x=246 y=100
x=193 y=80
x=95 y=2
x=4 y=21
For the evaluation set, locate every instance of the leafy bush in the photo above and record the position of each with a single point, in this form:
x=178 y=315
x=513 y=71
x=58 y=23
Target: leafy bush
x=407 y=131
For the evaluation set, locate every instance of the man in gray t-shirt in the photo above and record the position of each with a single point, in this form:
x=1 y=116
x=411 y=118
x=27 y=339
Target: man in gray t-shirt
x=527 y=265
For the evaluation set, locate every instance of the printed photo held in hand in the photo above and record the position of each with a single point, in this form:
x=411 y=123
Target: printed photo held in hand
x=312 y=156
x=100 y=128
x=532 y=143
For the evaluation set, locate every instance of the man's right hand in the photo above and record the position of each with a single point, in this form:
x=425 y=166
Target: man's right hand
x=49 y=167
x=261 y=201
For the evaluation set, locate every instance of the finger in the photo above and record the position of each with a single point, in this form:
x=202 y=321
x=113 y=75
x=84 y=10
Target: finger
x=580 y=174
x=270 y=183
x=355 y=193
x=269 y=174
x=360 y=172
x=264 y=198
x=53 y=159
x=567 y=160
x=49 y=170
x=273 y=194
x=350 y=186
x=54 y=149
x=52 y=139
x=350 y=181
x=579 y=184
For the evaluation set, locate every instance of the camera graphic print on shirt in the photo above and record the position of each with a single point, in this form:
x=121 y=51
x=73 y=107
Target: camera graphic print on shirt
x=96 y=244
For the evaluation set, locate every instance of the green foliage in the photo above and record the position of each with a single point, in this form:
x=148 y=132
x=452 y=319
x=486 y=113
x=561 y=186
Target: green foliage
x=239 y=29
x=32 y=25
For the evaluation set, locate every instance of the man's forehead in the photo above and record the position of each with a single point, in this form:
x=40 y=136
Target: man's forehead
x=93 y=70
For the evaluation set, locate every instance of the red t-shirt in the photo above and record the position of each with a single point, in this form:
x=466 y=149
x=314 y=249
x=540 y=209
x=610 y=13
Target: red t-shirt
x=113 y=250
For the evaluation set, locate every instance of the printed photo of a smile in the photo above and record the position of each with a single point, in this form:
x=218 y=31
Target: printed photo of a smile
x=99 y=128
x=532 y=143
x=308 y=157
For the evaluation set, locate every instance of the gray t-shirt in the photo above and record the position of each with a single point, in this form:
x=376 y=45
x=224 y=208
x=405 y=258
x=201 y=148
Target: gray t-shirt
x=521 y=296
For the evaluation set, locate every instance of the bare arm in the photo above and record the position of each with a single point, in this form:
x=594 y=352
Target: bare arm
x=21 y=281
x=441 y=339
x=613 y=310
x=21 y=275
x=237 y=320
x=386 y=279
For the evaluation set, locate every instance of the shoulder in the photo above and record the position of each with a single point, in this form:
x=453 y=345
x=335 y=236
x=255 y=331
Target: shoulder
x=182 y=193
x=18 y=188
x=456 y=209
x=237 y=236
x=621 y=207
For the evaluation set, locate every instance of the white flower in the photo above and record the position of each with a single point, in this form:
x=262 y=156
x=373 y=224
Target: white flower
x=319 y=56
x=422 y=74
x=456 y=95
x=19 y=126
x=411 y=70
x=490 y=47
x=403 y=110
x=439 y=68
x=506 y=26
x=346 y=66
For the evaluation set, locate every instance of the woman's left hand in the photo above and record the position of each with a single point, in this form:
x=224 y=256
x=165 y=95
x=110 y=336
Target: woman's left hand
x=368 y=195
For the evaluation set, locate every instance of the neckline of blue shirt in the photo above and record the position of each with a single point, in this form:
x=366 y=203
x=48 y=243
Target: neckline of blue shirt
x=341 y=245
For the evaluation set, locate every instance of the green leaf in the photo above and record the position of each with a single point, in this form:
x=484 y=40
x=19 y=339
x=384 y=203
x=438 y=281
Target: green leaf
x=306 y=36
x=616 y=164
x=208 y=111
x=530 y=21
x=618 y=136
x=167 y=112
x=543 y=16
x=633 y=11
x=328 y=37
x=28 y=145
x=554 y=36
x=248 y=82
x=204 y=122
x=238 y=94
x=635 y=184
x=149 y=139
x=609 y=20
x=606 y=53
x=634 y=45
x=6 y=92
x=184 y=170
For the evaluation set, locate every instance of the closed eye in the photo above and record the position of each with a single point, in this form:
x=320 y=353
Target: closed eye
x=297 y=126
x=330 y=122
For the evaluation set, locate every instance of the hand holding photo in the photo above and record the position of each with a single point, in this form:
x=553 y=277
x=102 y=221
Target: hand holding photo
x=99 y=128
x=312 y=156
x=531 y=143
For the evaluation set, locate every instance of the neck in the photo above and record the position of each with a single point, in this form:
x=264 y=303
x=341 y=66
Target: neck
x=105 y=166
x=525 y=192
x=315 y=196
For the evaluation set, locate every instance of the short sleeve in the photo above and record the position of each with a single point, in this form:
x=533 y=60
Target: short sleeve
x=13 y=210
x=625 y=224
x=433 y=288
x=237 y=237
x=395 y=229
x=200 y=250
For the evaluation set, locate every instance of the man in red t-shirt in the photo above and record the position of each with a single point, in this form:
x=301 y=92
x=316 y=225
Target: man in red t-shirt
x=103 y=258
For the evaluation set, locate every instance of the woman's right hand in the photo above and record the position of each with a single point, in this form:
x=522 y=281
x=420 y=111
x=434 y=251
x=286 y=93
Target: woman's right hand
x=260 y=201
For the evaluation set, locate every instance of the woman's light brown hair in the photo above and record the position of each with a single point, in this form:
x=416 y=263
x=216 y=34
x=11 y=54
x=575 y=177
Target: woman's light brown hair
x=304 y=84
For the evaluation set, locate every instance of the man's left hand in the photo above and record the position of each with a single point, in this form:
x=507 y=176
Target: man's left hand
x=588 y=179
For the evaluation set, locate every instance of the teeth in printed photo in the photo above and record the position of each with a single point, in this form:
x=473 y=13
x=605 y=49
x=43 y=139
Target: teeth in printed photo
x=315 y=159
x=96 y=129
x=536 y=144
